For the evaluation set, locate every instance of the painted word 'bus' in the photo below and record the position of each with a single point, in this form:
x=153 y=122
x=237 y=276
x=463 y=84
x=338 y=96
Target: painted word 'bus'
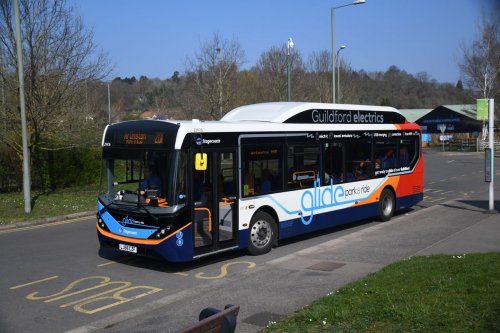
x=182 y=190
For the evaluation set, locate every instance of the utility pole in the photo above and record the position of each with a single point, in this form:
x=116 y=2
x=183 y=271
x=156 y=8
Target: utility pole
x=26 y=157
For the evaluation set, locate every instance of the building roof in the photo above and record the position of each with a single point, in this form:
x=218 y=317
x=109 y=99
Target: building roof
x=413 y=115
x=468 y=110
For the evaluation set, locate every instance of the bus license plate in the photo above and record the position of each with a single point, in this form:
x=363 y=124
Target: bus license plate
x=128 y=248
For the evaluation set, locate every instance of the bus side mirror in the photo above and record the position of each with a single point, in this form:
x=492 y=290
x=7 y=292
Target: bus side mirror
x=200 y=161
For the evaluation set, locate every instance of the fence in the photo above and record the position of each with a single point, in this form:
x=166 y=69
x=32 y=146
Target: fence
x=482 y=144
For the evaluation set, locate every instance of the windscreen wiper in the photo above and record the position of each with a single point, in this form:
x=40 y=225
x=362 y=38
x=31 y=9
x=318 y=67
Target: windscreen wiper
x=139 y=204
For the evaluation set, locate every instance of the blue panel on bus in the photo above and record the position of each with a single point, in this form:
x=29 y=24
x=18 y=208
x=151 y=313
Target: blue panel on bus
x=327 y=220
x=178 y=247
x=410 y=200
x=295 y=227
x=127 y=226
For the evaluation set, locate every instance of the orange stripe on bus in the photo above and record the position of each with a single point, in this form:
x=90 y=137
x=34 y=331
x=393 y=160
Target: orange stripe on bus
x=138 y=241
x=392 y=181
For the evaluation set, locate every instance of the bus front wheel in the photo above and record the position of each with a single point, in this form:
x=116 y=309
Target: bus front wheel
x=263 y=233
x=386 y=205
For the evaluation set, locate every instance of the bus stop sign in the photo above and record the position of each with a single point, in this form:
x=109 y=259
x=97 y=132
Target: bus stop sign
x=487 y=165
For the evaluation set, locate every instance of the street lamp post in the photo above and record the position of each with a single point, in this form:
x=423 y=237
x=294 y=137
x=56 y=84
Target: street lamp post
x=289 y=46
x=355 y=2
x=22 y=107
x=338 y=70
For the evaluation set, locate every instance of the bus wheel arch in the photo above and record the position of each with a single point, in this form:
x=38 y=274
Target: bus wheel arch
x=263 y=231
x=387 y=204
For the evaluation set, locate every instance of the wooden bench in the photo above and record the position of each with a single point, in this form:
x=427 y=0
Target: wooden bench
x=212 y=320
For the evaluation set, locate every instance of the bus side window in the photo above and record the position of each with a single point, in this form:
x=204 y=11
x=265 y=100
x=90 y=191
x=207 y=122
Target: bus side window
x=262 y=169
x=332 y=163
x=359 y=163
x=303 y=165
x=407 y=151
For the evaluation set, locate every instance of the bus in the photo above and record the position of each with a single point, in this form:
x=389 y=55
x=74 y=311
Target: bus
x=182 y=190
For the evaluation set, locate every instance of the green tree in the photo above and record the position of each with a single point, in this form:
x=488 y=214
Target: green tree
x=60 y=59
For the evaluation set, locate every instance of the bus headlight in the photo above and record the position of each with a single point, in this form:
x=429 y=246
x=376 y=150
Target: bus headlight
x=101 y=223
x=162 y=232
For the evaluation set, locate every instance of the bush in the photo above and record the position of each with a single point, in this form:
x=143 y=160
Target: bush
x=67 y=168
x=51 y=169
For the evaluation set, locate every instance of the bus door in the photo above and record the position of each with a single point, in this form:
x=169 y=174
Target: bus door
x=214 y=193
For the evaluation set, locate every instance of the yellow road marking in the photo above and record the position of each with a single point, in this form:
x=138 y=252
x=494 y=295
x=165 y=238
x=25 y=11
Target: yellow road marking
x=447 y=192
x=223 y=270
x=46 y=225
x=113 y=262
x=438 y=199
x=34 y=282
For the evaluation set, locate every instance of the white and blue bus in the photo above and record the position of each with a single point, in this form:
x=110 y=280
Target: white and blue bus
x=182 y=190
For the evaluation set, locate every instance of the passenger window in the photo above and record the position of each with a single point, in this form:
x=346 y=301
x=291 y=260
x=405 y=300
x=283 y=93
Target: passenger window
x=303 y=166
x=407 y=152
x=385 y=157
x=332 y=163
x=359 y=161
x=262 y=171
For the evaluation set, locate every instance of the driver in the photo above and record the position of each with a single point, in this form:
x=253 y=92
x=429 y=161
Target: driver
x=151 y=180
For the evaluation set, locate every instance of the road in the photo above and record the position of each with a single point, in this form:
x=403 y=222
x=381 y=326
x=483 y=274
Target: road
x=54 y=278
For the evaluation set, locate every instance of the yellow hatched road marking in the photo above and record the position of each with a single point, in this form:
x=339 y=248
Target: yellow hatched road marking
x=438 y=199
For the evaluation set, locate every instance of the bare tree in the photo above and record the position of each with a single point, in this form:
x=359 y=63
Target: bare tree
x=272 y=67
x=216 y=66
x=60 y=58
x=320 y=68
x=480 y=65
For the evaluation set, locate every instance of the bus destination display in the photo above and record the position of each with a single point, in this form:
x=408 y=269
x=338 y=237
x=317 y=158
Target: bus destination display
x=131 y=138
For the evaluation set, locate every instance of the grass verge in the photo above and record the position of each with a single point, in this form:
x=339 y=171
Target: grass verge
x=423 y=294
x=47 y=204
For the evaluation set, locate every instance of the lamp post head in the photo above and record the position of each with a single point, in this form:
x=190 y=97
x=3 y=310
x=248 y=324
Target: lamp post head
x=340 y=49
x=359 y=2
x=290 y=43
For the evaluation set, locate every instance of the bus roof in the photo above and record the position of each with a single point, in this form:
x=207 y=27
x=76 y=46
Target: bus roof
x=263 y=117
x=310 y=113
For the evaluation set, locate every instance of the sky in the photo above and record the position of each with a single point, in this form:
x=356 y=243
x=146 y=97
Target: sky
x=155 y=37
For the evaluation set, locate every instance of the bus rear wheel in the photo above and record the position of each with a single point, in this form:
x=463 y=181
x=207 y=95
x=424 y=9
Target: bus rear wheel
x=263 y=233
x=386 y=205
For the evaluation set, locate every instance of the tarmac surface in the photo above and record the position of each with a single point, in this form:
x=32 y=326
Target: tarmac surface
x=453 y=227
x=276 y=288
